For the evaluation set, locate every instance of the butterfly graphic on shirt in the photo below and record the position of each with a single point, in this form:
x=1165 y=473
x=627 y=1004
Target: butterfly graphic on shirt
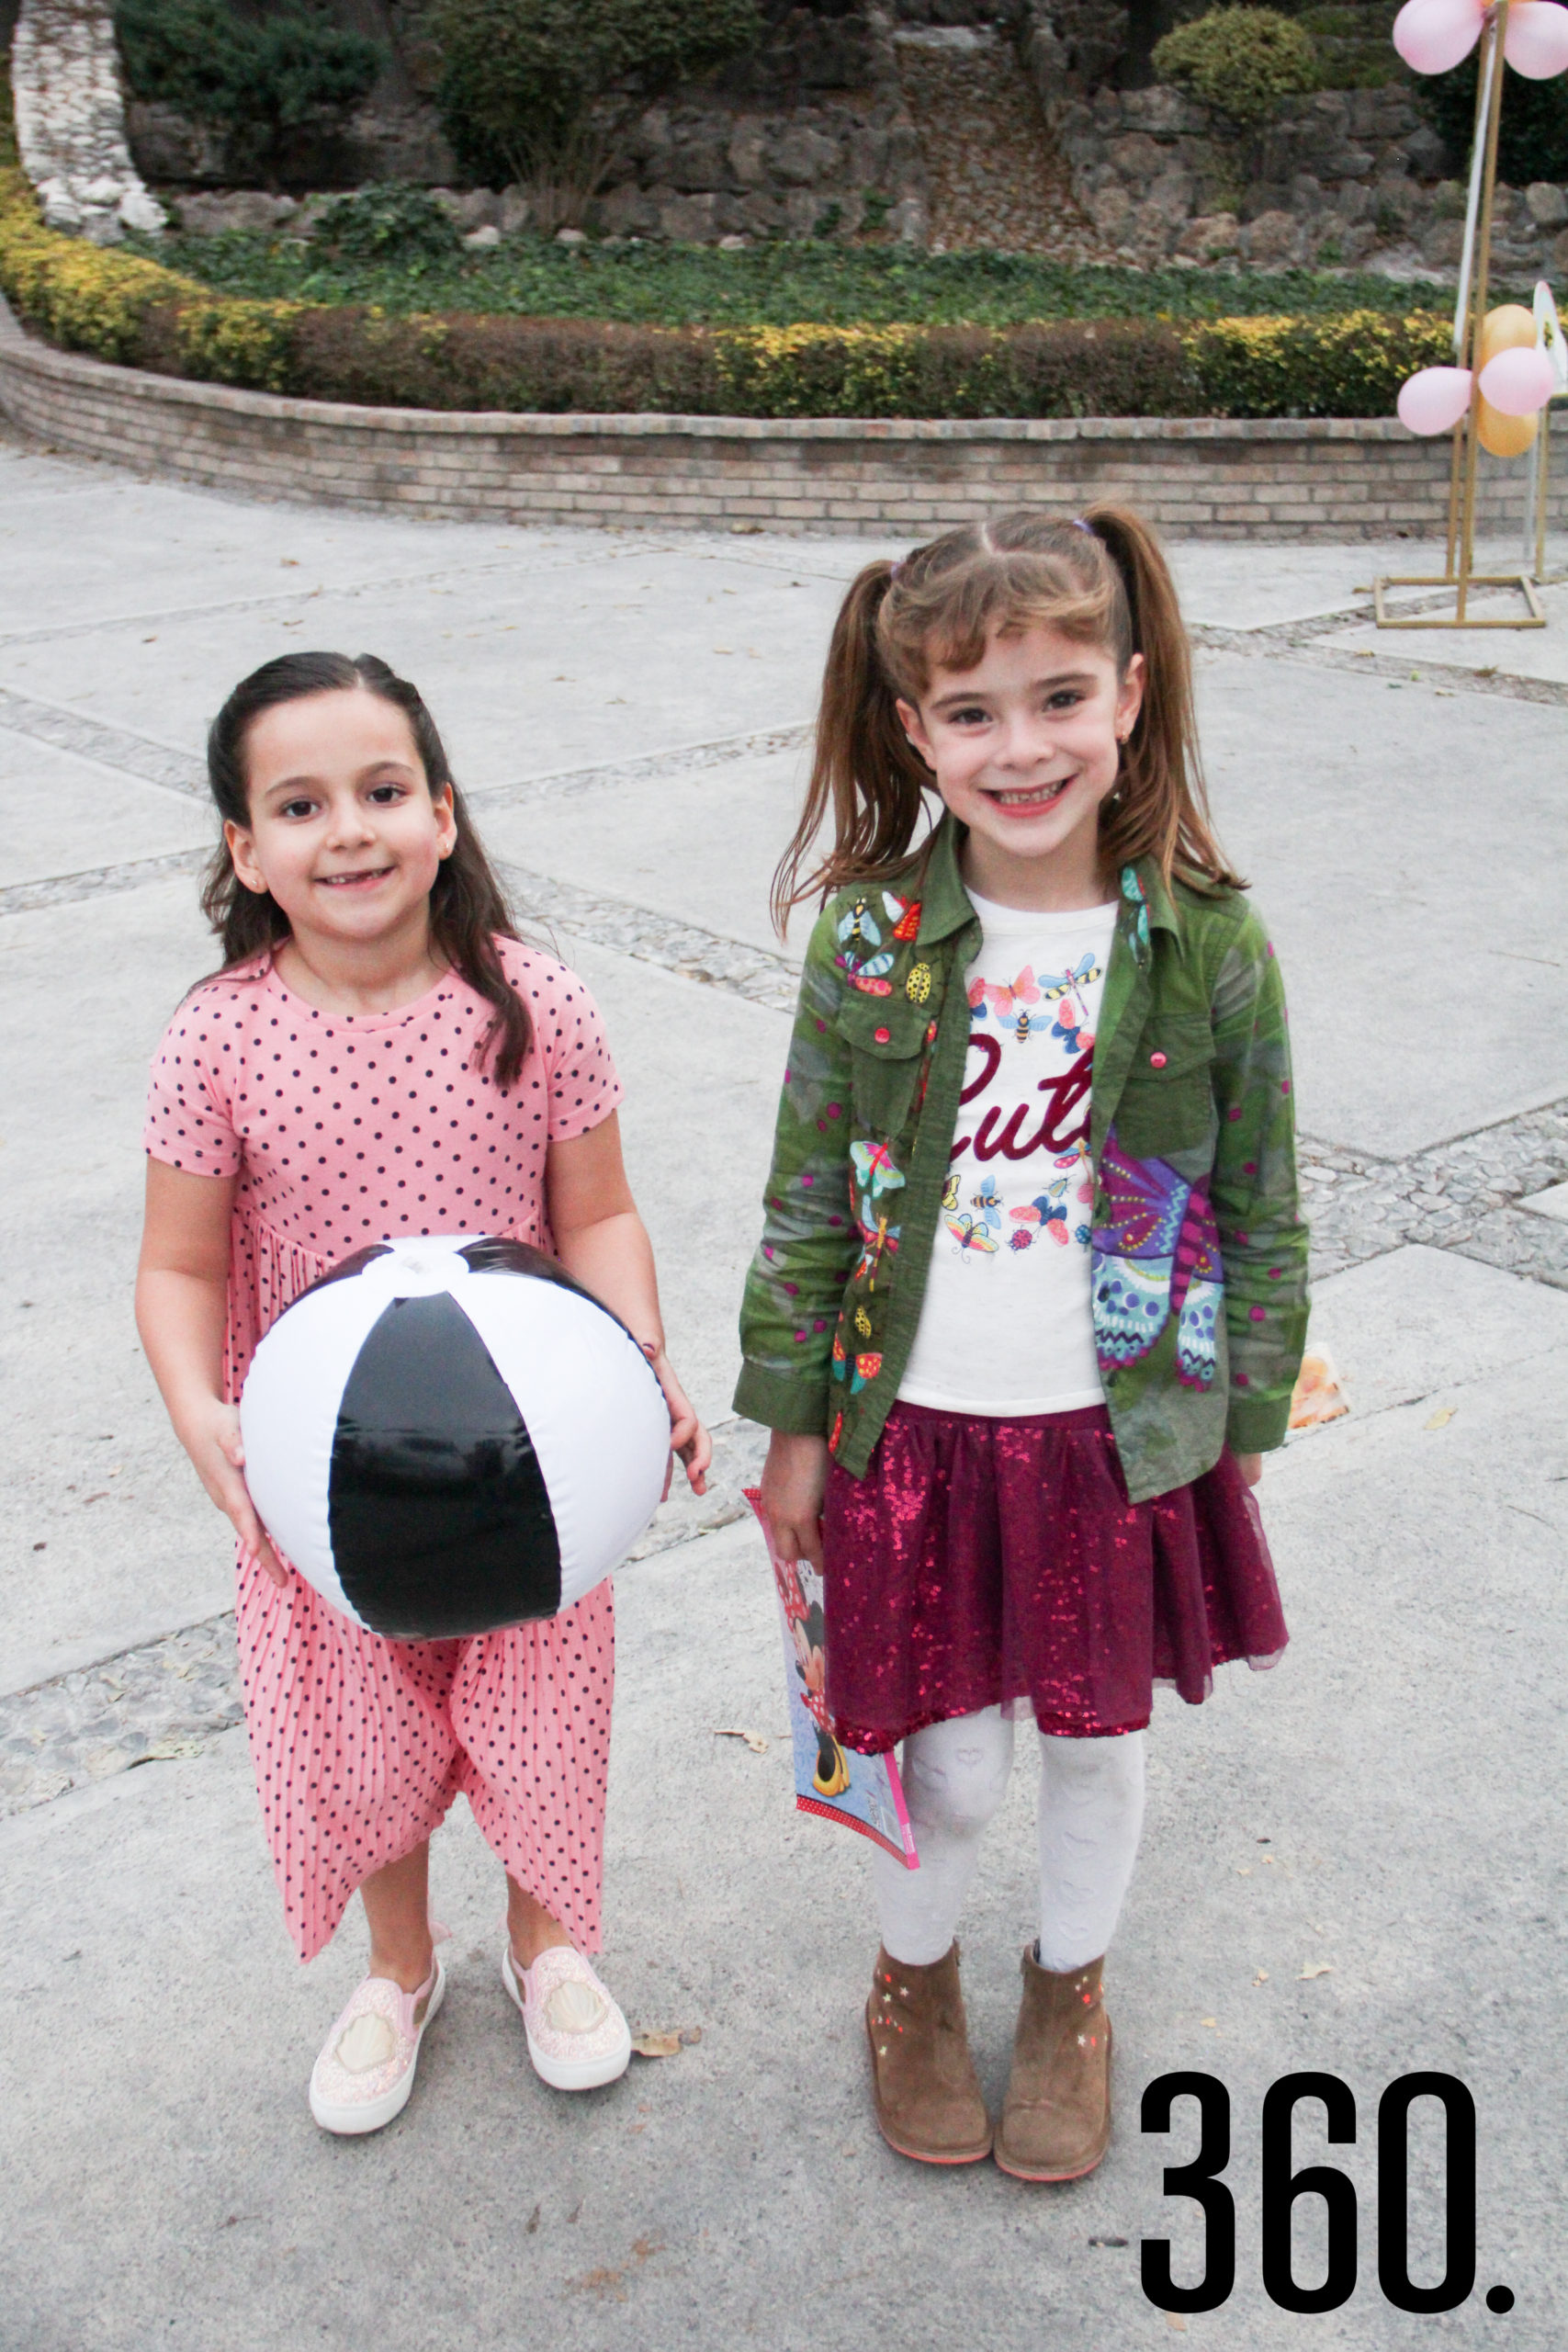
x=1078 y=1160
x=971 y=1233
x=1047 y=1213
x=1065 y=992
x=1157 y=1255
x=1005 y=998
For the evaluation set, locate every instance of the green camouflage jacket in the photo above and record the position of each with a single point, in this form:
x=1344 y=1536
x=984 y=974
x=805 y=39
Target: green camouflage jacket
x=1198 y=1251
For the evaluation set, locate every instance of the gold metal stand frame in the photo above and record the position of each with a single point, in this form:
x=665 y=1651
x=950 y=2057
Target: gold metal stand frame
x=1535 y=617
x=1463 y=577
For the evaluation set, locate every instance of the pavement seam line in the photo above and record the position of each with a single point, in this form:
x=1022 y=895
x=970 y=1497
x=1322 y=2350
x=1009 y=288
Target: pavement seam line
x=162 y=616
x=645 y=767
x=151 y=761
x=98 y=881
x=163 y=1699
x=1309 y=652
x=141 y=756
x=119 y=1711
x=646 y=936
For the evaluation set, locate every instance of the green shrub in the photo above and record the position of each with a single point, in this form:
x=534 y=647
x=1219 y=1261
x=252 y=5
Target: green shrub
x=1354 y=52
x=1532 y=138
x=389 y=222
x=546 y=367
x=1242 y=61
x=118 y=306
x=1104 y=368
x=1351 y=365
x=531 y=90
x=255 y=78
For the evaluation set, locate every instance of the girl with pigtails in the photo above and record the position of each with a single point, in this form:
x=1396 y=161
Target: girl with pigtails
x=1031 y=1296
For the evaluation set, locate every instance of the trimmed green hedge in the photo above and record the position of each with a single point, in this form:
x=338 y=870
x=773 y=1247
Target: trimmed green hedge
x=118 y=307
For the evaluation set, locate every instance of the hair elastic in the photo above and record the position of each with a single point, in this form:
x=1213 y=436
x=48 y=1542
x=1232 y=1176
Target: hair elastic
x=1088 y=529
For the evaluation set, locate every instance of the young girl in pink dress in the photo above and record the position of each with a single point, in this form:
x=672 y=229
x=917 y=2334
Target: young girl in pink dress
x=379 y=1055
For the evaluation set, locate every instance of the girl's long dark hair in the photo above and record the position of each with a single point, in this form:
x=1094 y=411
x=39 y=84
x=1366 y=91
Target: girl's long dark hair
x=1102 y=581
x=468 y=905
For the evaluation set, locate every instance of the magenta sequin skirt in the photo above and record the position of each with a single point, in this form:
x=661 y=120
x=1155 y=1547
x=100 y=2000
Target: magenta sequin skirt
x=981 y=1562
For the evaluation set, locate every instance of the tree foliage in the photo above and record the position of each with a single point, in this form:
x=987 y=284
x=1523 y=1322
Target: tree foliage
x=521 y=79
x=1532 y=138
x=256 y=78
x=1242 y=61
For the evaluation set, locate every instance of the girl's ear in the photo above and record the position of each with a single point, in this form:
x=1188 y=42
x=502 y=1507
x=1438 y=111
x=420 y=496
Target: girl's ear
x=910 y=719
x=1130 y=696
x=445 y=821
x=242 y=856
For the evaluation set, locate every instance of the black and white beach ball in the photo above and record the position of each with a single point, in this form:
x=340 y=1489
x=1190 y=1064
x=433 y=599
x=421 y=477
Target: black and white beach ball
x=445 y=1436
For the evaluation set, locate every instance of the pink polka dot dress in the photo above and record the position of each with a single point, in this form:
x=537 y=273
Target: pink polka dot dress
x=342 y=1129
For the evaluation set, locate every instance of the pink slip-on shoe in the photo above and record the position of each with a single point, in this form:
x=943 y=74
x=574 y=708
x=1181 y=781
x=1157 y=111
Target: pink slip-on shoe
x=577 y=2036
x=365 y=2071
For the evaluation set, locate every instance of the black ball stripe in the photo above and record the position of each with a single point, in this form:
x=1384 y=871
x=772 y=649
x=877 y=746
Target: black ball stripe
x=441 y=1521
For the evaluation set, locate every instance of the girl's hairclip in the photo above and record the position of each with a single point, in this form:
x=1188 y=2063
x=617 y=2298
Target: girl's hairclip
x=1079 y=524
x=896 y=567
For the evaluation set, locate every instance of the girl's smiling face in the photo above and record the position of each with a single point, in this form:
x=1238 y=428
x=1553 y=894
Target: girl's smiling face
x=1024 y=747
x=343 y=831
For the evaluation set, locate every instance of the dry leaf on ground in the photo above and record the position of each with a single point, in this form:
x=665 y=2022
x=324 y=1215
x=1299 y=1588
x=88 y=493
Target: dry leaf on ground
x=1441 y=1418
x=1317 y=1968
x=1261 y=1977
x=754 y=1740
x=168 y=1751
x=657 y=2045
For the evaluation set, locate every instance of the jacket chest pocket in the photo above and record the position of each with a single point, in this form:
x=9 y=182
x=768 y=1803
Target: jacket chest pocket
x=886 y=1040
x=1168 y=1101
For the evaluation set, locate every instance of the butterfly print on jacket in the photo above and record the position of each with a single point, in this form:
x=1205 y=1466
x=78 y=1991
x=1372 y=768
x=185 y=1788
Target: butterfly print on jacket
x=1157 y=1254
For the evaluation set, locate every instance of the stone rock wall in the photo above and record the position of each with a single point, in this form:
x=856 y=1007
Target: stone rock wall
x=701 y=172
x=387 y=138
x=1343 y=177
x=71 y=128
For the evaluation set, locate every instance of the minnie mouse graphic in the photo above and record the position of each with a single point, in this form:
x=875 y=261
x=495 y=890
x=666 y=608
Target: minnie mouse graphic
x=807 y=1630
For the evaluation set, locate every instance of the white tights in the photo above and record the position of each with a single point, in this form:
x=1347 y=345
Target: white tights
x=1091 y=1814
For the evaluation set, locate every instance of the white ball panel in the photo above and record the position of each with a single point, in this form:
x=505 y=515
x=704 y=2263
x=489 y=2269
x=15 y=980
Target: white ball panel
x=288 y=1420
x=580 y=1382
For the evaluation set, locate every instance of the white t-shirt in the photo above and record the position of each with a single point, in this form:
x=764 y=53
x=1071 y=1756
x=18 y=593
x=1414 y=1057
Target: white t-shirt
x=1005 y=1325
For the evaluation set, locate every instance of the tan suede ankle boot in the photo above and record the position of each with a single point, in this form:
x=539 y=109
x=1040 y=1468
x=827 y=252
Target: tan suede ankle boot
x=1056 y=2122
x=923 y=2080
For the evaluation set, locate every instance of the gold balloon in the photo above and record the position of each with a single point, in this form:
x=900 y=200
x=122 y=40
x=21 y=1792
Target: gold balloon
x=1503 y=329
x=1509 y=325
x=1505 y=437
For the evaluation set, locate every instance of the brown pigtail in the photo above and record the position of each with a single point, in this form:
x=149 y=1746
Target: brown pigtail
x=864 y=769
x=1160 y=809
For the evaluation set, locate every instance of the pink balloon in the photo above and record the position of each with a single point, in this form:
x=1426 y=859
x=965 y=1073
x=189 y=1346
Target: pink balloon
x=1432 y=34
x=1435 y=398
x=1519 y=381
x=1536 y=42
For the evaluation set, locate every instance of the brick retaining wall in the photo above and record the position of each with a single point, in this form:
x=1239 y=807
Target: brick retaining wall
x=1209 y=477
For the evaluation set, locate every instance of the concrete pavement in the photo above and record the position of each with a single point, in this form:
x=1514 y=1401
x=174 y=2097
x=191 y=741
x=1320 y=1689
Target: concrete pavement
x=1351 y=1864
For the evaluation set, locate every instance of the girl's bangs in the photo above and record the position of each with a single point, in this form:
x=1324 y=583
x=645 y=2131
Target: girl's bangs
x=1004 y=597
